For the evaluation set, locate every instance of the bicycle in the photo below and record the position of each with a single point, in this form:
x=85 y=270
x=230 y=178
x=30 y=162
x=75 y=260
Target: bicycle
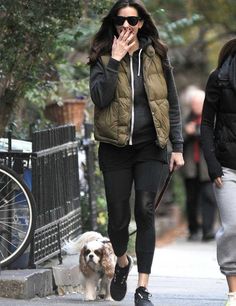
x=17 y=216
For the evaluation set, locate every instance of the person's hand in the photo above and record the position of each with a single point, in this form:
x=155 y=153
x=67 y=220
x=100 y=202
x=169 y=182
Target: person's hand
x=218 y=182
x=176 y=161
x=190 y=128
x=122 y=44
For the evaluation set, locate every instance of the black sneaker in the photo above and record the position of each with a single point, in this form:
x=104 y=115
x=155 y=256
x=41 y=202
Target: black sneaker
x=118 y=286
x=208 y=237
x=194 y=237
x=142 y=297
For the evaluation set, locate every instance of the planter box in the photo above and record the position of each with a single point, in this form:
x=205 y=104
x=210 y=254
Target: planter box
x=71 y=111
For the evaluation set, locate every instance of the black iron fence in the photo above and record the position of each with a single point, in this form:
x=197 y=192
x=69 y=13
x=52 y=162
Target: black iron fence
x=55 y=186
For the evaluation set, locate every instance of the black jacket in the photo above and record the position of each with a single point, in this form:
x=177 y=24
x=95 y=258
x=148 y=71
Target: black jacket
x=218 y=128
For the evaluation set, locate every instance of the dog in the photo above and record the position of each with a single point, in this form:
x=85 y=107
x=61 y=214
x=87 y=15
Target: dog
x=96 y=263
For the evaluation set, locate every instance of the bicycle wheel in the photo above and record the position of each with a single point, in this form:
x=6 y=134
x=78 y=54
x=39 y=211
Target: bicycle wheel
x=17 y=216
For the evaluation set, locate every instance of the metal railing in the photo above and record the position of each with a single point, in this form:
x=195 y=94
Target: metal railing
x=55 y=186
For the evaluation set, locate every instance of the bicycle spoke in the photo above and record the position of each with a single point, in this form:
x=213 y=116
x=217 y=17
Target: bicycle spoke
x=6 y=205
x=12 y=200
x=8 y=242
x=15 y=210
x=6 y=249
x=13 y=228
x=2 y=179
x=17 y=240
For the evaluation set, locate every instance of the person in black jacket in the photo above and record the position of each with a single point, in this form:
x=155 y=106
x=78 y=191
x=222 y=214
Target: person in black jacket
x=218 y=137
x=136 y=112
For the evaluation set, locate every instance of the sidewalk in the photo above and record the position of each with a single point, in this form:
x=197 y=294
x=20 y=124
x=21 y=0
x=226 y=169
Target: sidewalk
x=184 y=274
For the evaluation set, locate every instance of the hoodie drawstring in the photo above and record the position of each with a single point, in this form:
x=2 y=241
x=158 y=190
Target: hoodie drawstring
x=139 y=61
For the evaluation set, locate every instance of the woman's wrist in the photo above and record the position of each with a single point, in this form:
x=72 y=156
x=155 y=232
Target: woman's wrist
x=117 y=58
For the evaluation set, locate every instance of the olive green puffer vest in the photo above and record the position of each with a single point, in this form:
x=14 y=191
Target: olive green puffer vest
x=112 y=123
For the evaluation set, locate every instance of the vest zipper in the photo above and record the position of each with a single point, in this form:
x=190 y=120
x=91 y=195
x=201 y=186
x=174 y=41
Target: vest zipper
x=132 y=100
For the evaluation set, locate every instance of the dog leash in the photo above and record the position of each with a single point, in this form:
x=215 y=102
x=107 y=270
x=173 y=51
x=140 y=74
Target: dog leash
x=159 y=196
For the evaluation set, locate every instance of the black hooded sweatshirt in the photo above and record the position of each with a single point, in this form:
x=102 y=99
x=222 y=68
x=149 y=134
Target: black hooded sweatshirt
x=218 y=127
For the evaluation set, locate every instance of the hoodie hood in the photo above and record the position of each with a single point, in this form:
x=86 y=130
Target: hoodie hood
x=143 y=44
x=227 y=72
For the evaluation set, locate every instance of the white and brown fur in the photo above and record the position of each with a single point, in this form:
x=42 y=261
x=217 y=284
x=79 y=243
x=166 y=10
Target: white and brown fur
x=96 y=262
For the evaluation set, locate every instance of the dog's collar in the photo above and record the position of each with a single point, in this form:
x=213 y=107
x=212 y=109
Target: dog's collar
x=101 y=273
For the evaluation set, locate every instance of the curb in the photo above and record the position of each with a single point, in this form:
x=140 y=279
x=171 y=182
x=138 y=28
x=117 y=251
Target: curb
x=26 y=284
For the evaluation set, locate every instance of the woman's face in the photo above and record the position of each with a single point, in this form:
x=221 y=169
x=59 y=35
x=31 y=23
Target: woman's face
x=129 y=11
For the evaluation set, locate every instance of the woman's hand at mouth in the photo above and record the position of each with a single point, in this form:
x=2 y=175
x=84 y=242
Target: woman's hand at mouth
x=122 y=44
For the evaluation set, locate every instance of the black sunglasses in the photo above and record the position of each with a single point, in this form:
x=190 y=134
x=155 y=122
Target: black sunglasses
x=132 y=20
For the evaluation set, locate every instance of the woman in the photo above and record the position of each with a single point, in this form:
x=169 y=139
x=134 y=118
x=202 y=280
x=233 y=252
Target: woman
x=136 y=110
x=200 y=198
x=218 y=133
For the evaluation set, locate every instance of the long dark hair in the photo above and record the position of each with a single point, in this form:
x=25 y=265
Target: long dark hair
x=102 y=42
x=228 y=49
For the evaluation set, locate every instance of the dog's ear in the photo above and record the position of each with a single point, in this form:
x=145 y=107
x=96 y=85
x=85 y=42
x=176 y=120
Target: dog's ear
x=107 y=261
x=82 y=262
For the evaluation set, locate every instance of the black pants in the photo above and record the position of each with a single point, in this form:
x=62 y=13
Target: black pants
x=146 y=176
x=200 y=198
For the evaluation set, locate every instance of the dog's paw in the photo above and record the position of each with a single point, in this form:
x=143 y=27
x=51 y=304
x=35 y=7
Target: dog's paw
x=101 y=296
x=90 y=298
x=105 y=297
x=108 y=298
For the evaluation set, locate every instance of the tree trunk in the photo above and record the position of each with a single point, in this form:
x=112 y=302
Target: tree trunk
x=7 y=104
x=5 y=115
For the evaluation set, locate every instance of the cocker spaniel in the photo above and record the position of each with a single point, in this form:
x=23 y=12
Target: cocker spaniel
x=96 y=262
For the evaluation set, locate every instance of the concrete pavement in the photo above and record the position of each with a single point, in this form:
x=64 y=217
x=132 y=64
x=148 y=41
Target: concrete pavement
x=184 y=274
